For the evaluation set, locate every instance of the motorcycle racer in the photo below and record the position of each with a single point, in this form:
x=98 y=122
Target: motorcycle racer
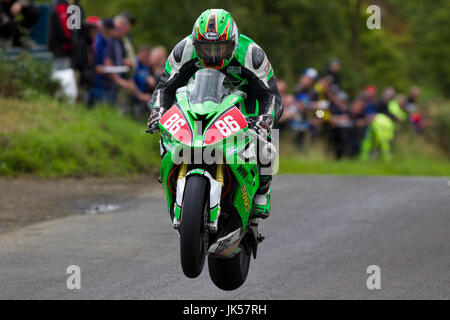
x=215 y=43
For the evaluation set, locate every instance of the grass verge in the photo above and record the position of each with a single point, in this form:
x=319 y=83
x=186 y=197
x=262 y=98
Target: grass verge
x=48 y=138
x=413 y=155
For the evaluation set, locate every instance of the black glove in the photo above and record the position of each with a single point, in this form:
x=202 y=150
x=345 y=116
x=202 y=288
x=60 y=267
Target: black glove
x=263 y=124
x=153 y=120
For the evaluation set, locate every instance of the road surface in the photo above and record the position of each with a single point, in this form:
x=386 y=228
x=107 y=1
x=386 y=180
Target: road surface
x=323 y=234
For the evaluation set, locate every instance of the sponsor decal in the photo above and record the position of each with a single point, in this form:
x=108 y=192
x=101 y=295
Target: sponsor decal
x=211 y=36
x=245 y=198
x=234 y=69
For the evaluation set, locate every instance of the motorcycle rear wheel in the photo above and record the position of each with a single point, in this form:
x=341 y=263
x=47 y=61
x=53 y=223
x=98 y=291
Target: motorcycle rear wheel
x=229 y=273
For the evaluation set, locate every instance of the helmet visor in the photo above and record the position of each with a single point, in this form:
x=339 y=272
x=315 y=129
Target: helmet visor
x=213 y=53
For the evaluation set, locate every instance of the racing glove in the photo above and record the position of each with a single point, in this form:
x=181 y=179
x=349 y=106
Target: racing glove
x=153 y=120
x=263 y=124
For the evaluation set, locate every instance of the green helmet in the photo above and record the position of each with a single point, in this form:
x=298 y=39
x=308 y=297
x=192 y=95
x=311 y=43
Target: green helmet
x=215 y=36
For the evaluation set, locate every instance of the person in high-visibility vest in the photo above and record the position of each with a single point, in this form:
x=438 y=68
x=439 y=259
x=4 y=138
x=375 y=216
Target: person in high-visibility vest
x=380 y=132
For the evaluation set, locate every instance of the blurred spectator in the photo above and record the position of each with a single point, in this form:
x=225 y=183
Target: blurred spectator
x=414 y=94
x=379 y=135
x=129 y=16
x=10 y=29
x=144 y=82
x=380 y=132
x=340 y=125
x=305 y=99
x=370 y=96
x=83 y=59
x=322 y=87
x=382 y=105
x=333 y=70
x=321 y=113
x=142 y=74
x=127 y=42
x=115 y=56
x=158 y=61
x=304 y=91
x=359 y=119
x=417 y=118
x=397 y=108
x=61 y=40
x=99 y=46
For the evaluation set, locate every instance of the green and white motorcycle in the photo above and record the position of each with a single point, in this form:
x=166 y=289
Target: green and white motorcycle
x=210 y=175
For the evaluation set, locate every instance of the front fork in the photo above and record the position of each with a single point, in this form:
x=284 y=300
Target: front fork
x=215 y=194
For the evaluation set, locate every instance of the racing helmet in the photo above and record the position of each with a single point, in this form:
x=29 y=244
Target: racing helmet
x=215 y=37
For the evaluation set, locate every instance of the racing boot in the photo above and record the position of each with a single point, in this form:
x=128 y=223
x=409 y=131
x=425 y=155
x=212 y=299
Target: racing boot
x=261 y=202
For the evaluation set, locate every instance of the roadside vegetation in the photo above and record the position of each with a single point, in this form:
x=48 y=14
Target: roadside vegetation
x=25 y=76
x=50 y=138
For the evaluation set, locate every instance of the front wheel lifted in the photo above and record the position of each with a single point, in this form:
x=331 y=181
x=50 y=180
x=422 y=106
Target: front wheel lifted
x=193 y=235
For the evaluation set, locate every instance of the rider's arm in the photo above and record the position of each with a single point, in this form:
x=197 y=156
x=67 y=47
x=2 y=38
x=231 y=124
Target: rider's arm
x=180 y=66
x=262 y=82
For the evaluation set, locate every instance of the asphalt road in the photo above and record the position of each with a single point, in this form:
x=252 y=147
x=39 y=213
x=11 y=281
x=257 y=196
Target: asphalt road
x=323 y=234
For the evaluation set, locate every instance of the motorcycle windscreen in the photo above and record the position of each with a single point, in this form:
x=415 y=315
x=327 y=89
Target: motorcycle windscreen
x=208 y=86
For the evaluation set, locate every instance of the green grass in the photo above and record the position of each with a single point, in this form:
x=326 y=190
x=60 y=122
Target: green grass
x=48 y=138
x=412 y=155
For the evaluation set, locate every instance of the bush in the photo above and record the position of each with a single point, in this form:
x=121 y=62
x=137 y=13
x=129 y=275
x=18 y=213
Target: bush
x=22 y=74
x=440 y=127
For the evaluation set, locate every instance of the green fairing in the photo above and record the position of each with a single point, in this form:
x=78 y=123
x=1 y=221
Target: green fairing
x=246 y=174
